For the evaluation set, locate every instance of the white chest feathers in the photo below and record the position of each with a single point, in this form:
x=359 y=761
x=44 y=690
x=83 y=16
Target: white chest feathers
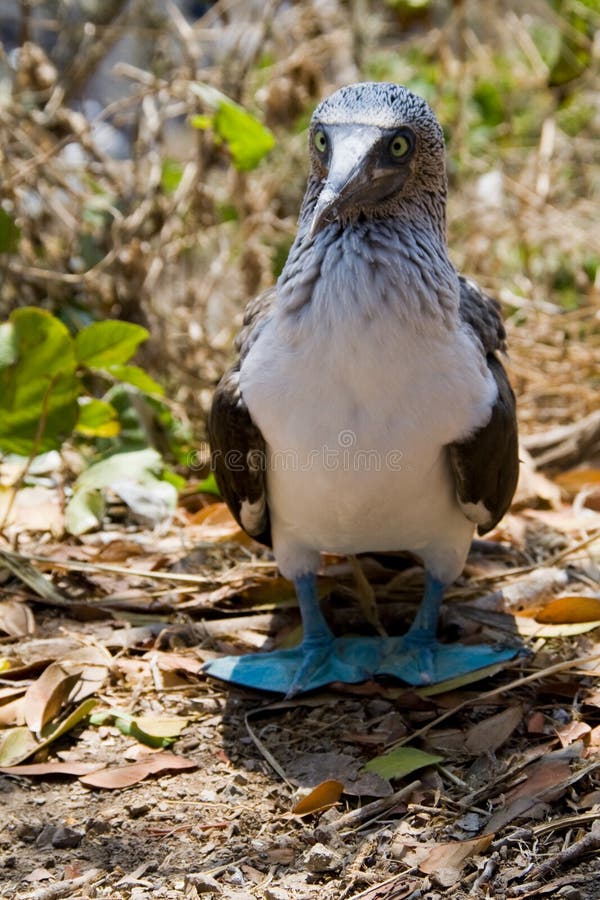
x=356 y=412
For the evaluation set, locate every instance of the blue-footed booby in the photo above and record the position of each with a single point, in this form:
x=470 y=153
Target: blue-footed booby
x=369 y=409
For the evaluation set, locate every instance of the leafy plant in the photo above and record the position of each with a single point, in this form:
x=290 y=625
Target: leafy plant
x=46 y=380
x=247 y=139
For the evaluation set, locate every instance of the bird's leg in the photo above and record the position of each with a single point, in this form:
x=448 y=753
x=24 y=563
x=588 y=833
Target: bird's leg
x=417 y=656
x=319 y=659
x=424 y=627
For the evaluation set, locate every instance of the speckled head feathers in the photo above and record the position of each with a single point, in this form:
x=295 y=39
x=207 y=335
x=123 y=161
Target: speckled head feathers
x=379 y=103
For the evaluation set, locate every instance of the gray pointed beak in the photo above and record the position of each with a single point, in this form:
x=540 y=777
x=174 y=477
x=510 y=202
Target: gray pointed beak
x=349 y=176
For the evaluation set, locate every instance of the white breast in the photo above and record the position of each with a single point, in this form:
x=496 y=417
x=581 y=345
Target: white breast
x=356 y=411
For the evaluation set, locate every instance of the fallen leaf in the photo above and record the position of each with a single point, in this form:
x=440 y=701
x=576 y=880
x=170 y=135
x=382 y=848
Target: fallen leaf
x=46 y=696
x=545 y=780
x=15 y=745
x=16 y=619
x=322 y=797
x=156 y=731
x=400 y=762
x=68 y=680
x=572 y=732
x=19 y=743
x=574 y=480
x=569 y=610
x=124 y=776
x=13 y=712
x=215 y=523
x=310 y=769
x=51 y=768
x=451 y=684
x=489 y=734
x=446 y=861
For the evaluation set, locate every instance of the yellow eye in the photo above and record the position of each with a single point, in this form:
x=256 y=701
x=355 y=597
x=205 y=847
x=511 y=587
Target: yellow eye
x=320 y=141
x=399 y=146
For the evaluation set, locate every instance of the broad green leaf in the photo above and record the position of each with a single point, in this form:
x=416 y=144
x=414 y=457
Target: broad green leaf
x=9 y=233
x=108 y=343
x=400 y=762
x=97 y=419
x=136 y=377
x=134 y=477
x=38 y=382
x=248 y=139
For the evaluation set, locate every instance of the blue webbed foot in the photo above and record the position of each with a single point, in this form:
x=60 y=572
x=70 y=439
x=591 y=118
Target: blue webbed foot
x=318 y=660
x=429 y=662
x=418 y=658
x=304 y=668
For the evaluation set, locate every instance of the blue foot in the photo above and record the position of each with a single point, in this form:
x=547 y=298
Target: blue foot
x=429 y=662
x=303 y=668
x=416 y=658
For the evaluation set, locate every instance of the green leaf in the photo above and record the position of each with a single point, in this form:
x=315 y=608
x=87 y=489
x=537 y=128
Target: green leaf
x=400 y=762
x=9 y=233
x=154 y=731
x=134 y=477
x=108 y=343
x=136 y=377
x=248 y=139
x=97 y=419
x=38 y=382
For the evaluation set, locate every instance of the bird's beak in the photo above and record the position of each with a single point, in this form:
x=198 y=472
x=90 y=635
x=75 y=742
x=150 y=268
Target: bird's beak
x=348 y=179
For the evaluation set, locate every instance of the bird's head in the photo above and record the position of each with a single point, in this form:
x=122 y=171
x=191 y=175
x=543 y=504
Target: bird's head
x=376 y=149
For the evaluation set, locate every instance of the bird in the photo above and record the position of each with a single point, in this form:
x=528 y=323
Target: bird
x=368 y=409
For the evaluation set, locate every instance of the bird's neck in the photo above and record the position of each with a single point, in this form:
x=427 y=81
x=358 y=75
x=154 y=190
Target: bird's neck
x=372 y=267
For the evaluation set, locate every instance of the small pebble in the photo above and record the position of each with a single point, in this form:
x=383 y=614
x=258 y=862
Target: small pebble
x=136 y=810
x=320 y=858
x=203 y=883
x=569 y=892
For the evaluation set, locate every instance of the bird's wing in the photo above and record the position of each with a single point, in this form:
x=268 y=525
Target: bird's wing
x=238 y=447
x=486 y=465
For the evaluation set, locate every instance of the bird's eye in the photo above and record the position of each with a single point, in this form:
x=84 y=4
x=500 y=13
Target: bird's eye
x=320 y=141
x=400 y=146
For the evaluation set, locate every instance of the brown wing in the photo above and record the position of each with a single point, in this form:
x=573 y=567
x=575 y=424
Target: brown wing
x=486 y=465
x=237 y=445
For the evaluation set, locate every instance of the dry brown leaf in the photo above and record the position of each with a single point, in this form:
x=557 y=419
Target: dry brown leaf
x=487 y=736
x=445 y=861
x=574 y=609
x=322 y=797
x=46 y=696
x=124 y=776
x=70 y=680
x=215 y=523
x=545 y=780
x=572 y=732
x=16 y=619
x=13 y=712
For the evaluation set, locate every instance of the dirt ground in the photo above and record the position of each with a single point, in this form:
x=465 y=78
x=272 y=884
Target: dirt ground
x=507 y=811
